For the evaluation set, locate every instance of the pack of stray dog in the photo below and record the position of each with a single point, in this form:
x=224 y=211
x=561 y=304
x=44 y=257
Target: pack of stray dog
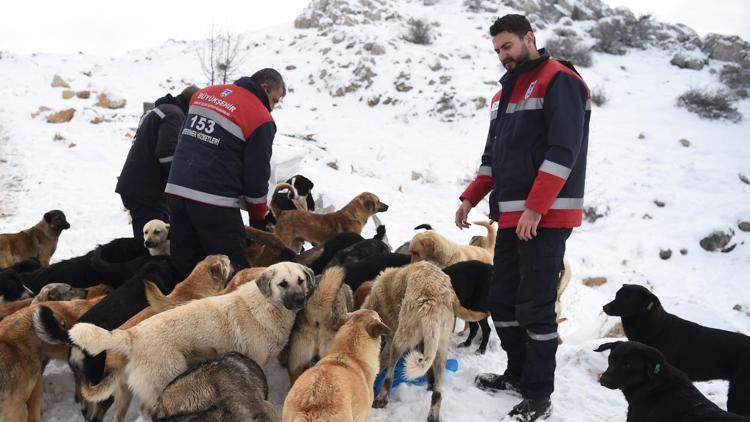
x=334 y=316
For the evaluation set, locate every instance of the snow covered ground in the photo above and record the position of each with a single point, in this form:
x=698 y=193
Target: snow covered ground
x=418 y=161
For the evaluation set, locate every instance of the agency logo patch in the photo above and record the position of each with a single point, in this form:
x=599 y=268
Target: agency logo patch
x=495 y=106
x=530 y=90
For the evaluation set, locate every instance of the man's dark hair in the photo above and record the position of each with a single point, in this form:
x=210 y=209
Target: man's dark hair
x=271 y=77
x=515 y=24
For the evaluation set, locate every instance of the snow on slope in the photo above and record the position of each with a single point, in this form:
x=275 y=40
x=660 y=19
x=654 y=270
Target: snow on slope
x=417 y=155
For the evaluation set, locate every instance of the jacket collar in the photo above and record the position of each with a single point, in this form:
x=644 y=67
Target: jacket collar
x=169 y=99
x=526 y=66
x=252 y=86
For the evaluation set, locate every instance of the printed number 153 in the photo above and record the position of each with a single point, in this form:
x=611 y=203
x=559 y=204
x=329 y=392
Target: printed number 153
x=202 y=123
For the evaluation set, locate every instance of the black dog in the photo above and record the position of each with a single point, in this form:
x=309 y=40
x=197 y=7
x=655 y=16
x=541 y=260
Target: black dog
x=318 y=257
x=116 y=308
x=112 y=264
x=359 y=251
x=367 y=269
x=303 y=186
x=404 y=248
x=702 y=353
x=26 y=266
x=471 y=281
x=655 y=390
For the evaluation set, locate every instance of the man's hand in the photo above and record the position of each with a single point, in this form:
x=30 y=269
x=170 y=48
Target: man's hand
x=526 y=229
x=462 y=213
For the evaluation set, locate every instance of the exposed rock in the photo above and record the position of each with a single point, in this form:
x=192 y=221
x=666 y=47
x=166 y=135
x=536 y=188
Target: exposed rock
x=617 y=331
x=665 y=254
x=480 y=102
x=435 y=66
x=333 y=164
x=415 y=175
x=83 y=94
x=744 y=226
x=323 y=14
x=594 y=281
x=104 y=100
x=717 y=240
x=685 y=143
x=62 y=116
x=402 y=83
x=373 y=101
x=58 y=137
x=686 y=62
x=683 y=251
x=59 y=82
x=744 y=179
x=374 y=48
x=659 y=203
x=99 y=119
x=291 y=67
x=641 y=135
x=68 y=94
x=729 y=48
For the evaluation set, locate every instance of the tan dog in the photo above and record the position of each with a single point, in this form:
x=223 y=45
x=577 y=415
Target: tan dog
x=565 y=276
x=485 y=242
x=37 y=242
x=156 y=237
x=243 y=277
x=434 y=247
x=318 y=228
x=255 y=320
x=59 y=291
x=317 y=323
x=417 y=302
x=23 y=356
x=208 y=278
x=339 y=387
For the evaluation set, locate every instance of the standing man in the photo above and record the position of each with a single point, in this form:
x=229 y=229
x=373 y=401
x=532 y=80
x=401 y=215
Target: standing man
x=144 y=175
x=222 y=164
x=534 y=163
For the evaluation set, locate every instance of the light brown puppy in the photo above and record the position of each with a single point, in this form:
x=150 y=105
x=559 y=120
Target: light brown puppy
x=417 y=303
x=339 y=387
x=317 y=323
x=37 y=242
x=23 y=356
x=318 y=228
x=438 y=249
x=59 y=291
x=243 y=277
x=156 y=237
x=11 y=307
x=208 y=278
x=255 y=320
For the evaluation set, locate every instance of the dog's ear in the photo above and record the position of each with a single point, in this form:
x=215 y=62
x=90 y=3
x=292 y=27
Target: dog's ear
x=308 y=184
x=310 y=278
x=48 y=217
x=376 y=329
x=608 y=346
x=216 y=270
x=429 y=246
x=654 y=361
x=166 y=227
x=264 y=283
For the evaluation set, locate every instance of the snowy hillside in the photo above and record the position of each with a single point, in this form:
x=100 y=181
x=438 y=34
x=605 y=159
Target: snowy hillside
x=369 y=111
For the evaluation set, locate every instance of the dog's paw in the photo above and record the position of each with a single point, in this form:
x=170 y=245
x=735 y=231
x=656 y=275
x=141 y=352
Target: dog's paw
x=380 y=402
x=464 y=344
x=481 y=351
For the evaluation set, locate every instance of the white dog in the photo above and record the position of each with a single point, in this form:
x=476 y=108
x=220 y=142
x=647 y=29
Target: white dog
x=156 y=237
x=254 y=320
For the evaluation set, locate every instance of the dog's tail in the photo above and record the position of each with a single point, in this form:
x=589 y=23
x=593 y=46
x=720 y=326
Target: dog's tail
x=565 y=276
x=158 y=301
x=466 y=314
x=48 y=327
x=424 y=226
x=328 y=288
x=96 y=340
x=417 y=363
x=281 y=186
x=491 y=233
x=107 y=386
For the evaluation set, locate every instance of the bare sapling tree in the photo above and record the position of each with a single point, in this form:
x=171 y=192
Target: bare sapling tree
x=220 y=56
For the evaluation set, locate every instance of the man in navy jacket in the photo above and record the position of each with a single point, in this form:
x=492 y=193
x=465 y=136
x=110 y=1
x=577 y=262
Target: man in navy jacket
x=222 y=165
x=534 y=163
x=144 y=174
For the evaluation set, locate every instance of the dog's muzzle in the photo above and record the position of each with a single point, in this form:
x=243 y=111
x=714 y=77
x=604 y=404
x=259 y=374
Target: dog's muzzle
x=295 y=302
x=608 y=309
x=382 y=207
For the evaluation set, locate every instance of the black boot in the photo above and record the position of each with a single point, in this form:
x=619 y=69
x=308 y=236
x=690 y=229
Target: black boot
x=530 y=410
x=495 y=382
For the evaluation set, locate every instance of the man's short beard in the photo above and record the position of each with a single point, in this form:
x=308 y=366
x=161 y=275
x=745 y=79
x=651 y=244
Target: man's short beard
x=524 y=56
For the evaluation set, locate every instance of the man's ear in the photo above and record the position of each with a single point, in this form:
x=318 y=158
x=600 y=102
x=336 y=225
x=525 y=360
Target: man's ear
x=608 y=346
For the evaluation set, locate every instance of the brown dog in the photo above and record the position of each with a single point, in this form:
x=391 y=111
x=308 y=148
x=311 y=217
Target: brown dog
x=37 y=242
x=23 y=356
x=418 y=303
x=318 y=228
x=486 y=242
x=208 y=278
x=361 y=294
x=264 y=248
x=318 y=321
x=339 y=387
x=436 y=248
